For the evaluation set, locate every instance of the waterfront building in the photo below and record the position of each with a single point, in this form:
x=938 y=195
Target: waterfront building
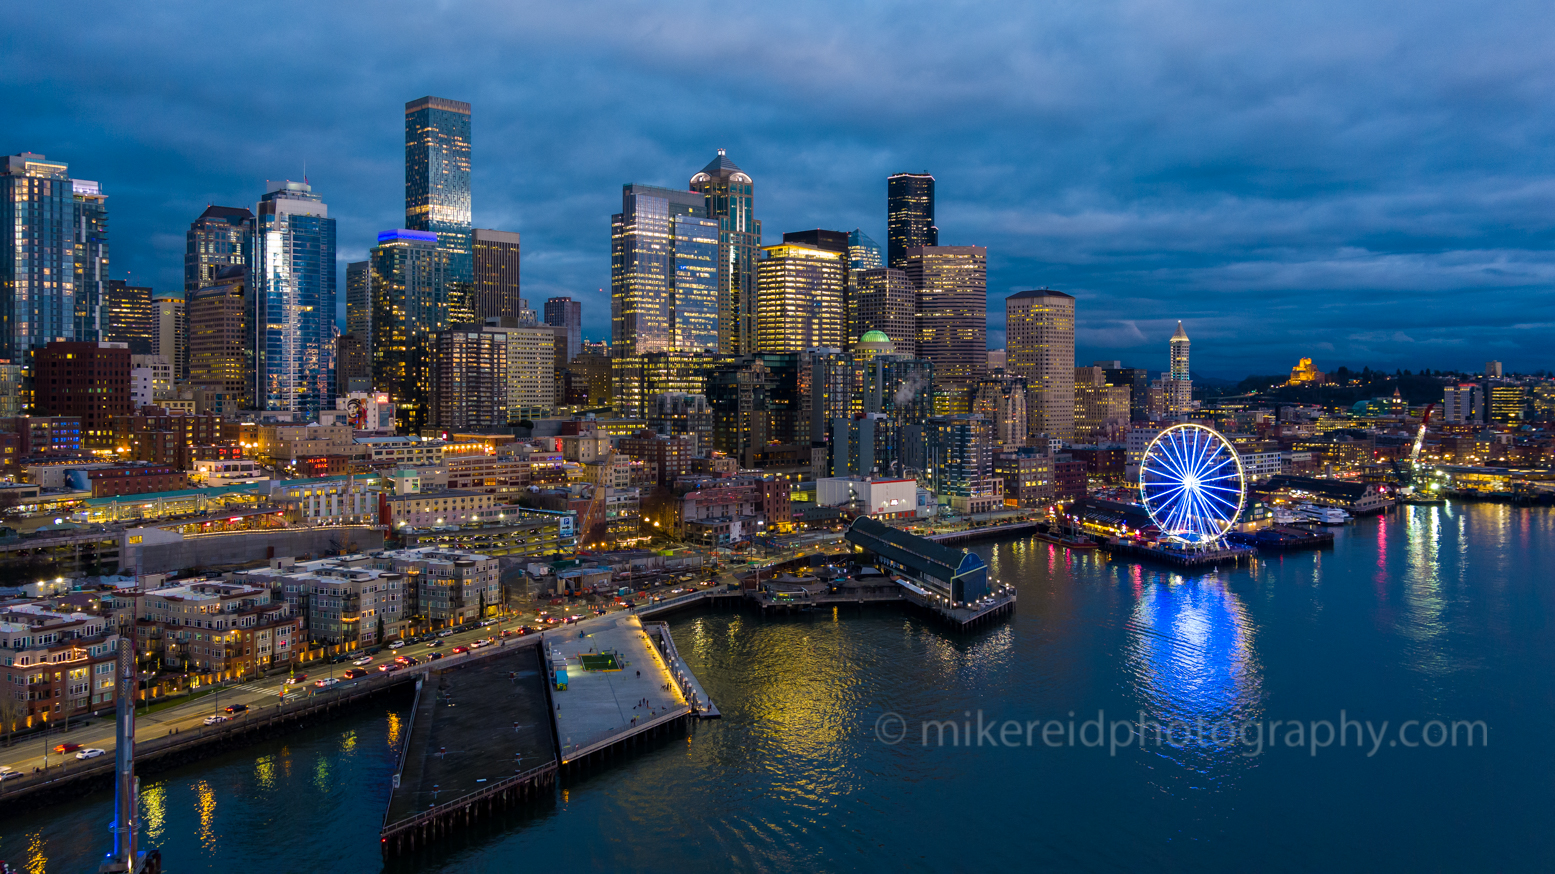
x=957 y=575
x=220 y=355
x=731 y=202
x=242 y=629
x=952 y=286
x=89 y=381
x=410 y=304
x=799 y=298
x=1039 y=345
x=1101 y=410
x=884 y=300
x=437 y=181
x=909 y=216
x=222 y=237
x=496 y=266
x=90 y=222
x=294 y=300
x=564 y=312
x=37 y=254
x=64 y=663
x=1179 y=380
x=1027 y=474
x=127 y=316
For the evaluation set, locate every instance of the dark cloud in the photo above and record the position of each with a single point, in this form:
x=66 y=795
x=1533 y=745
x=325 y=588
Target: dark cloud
x=1366 y=183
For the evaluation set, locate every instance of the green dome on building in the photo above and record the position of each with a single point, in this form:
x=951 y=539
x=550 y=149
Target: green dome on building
x=874 y=337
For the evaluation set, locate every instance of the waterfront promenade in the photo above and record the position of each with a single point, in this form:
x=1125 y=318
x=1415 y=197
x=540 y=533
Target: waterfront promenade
x=601 y=707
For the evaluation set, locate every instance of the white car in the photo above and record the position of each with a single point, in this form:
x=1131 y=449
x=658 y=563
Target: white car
x=448 y=633
x=396 y=644
x=8 y=773
x=364 y=660
x=218 y=719
x=91 y=753
x=326 y=682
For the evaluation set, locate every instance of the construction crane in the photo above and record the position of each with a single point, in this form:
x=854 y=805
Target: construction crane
x=1414 y=453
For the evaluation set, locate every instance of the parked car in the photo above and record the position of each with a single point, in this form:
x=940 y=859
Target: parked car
x=67 y=748
x=447 y=633
x=216 y=719
x=396 y=644
x=326 y=682
x=294 y=679
x=236 y=708
x=488 y=622
x=353 y=673
x=90 y=753
x=364 y=660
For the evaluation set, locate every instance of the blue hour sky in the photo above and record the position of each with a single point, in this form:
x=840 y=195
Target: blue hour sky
x=1367 y=183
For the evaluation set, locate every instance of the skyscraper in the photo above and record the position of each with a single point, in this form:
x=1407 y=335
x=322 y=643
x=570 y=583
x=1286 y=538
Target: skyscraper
x=799 y=302
x=664 y=292
x=294 y=296
x=359 y=300
x=129 y=317
x=91 y=245
x=1180 y=384
x=170 y=332
x=909 y=216
x=470 y=378
x=884 y=300
x=223 y=236
x=564 y=312
x=1039 y=346
x=437 y=178
x=410 y=305
x=496 y=291
x=220 y=354
x=864 y=253
x=37 y=255
x=731 y=202
x=952 y=284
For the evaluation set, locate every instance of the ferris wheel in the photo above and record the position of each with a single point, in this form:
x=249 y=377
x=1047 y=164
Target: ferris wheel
x=1191 y=482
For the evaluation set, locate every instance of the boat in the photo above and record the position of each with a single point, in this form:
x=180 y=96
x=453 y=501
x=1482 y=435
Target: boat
x=1323 y=515
x=1283 y=516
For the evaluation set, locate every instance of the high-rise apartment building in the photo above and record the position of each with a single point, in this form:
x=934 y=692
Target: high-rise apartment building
x=37 y=254
x=470 y=379
x=294 y=299
x=1039 y=346
x=564 y=312
x=1508 y=404
x=91 y=257
x=437 y=178
x=496 y=290
x=952 y=285
x=1179 y=386
x=909 y=216
x=799 y=301
x=410 y=305
x=90 y=381
x=1464 y=404
x=128 y=316
x=960 y=455
x=223 y=236
x=731 y=202
x=220 y=354
x=170 y=332
x=884 y=300
x=353 y=366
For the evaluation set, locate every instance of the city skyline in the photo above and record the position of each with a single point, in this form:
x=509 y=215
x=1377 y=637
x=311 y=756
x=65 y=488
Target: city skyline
x=1231 y=217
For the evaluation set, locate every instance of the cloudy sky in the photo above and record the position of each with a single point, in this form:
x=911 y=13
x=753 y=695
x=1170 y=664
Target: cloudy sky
x=1364 y=182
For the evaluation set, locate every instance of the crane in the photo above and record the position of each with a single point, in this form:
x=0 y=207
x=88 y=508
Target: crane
x=1414 y=453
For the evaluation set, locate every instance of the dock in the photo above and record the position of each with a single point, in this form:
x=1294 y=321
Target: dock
x=480 y=740
x=619 y=689
x=1181 y=558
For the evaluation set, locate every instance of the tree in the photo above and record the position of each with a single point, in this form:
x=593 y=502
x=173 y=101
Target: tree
x=12 y=711
x=379 y=638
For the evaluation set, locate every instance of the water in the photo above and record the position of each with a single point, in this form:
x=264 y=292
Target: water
x=1432 y=614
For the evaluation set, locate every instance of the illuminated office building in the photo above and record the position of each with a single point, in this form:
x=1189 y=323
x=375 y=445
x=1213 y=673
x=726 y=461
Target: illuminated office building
x=437 y=179
x=128 y=316
x=564 y=312
x=496 y=285
x=799 y=298
x=952 y=285
x=91 y=257
x=170 y=332
x=37 y=254
x=294 y=298
x=220 y=355
x=731 y=202
x=223 y=236
x=1039 y=347
x=884 y=300
x=410 y=305
x=909 y=216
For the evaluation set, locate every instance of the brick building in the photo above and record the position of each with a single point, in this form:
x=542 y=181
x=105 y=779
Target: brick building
x=90 y=381
x=57 y=665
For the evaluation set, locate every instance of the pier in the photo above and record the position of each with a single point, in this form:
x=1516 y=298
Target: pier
x=1181 y=558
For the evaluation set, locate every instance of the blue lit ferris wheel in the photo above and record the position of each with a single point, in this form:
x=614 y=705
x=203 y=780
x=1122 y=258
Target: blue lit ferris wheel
x=1191 y=482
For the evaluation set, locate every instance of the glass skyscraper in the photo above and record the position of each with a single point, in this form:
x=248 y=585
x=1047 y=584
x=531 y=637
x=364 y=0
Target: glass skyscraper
x=909 y=216
x=37 y=255
x=91 y=257
x=409 y=306
x=863 y=252
x=294 y=296
x=223 y=236
x=731 y=201
x=663 y=273
x=437 y=179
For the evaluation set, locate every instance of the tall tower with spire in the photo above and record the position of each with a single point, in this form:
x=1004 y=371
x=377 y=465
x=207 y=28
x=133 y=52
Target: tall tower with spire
x=731 y=202
x=1180 y=381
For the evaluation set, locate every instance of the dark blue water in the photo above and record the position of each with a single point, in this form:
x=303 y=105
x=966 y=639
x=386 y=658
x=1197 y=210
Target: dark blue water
x=1434 y=615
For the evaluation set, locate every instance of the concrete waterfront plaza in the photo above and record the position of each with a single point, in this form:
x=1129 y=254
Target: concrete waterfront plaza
x=601 y=704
